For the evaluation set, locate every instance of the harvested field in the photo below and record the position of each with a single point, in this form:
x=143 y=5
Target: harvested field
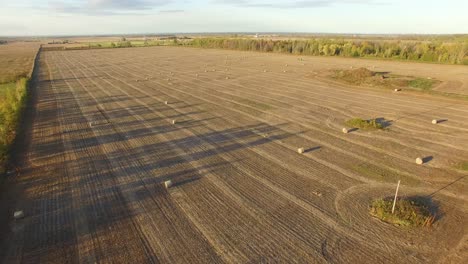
x=100 y=148
x=16 y=60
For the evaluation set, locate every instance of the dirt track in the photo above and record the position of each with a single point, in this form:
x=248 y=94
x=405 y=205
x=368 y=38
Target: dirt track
x=102 y=145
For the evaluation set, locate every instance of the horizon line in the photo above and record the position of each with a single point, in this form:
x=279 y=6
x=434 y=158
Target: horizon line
x=234 y=32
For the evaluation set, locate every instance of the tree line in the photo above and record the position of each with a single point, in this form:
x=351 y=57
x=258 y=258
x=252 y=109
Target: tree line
x=454 y=52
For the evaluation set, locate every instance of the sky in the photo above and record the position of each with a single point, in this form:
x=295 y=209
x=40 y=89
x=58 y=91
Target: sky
x=85 y=17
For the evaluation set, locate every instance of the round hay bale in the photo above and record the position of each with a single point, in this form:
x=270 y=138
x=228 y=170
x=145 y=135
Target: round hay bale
x=435 y=121
x=174 y=122
x=166 y=102
x=419 y=161
x=397 y=90
x=168 y=184
x=264 y=70
x=300 y=150
x=345 y=130
x=18 y=214
x=227 y=78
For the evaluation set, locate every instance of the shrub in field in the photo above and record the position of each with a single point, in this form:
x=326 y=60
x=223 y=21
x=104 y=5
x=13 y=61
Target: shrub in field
x=357 y=76
x=421 y=83
x=414 y=211
x=364 y=124
x=124 y=44
x=462 y=165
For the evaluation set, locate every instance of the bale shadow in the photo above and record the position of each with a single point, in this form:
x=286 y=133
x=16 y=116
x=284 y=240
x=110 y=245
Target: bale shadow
x=312 y=149
x=439 y=121
x=427 y=159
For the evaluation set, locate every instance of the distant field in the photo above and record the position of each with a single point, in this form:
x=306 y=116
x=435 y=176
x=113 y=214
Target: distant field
x=443 y=49
x=16 y=60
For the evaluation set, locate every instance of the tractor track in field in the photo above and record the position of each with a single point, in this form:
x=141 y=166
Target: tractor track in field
x=148 y=95
x=266 y=183
x=309 y=138
x=396 y=147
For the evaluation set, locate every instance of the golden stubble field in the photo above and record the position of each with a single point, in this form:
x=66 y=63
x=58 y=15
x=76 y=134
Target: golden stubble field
x=16 y=60
x=103 y=141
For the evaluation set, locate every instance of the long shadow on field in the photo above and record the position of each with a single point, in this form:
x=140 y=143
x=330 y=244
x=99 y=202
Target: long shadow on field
x=170 y=153
x=27 y=239
x=88 y=183
x=384 y=122
x=75 y=195
x=448 y=185
x=130 y=130
x=77 y=78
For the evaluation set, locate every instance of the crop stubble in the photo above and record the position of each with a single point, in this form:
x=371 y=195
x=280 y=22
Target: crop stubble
x=103 y=145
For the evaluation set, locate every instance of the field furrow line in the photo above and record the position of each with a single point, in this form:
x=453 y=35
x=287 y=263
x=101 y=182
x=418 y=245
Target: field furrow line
x=134 y=163
x=249 y=174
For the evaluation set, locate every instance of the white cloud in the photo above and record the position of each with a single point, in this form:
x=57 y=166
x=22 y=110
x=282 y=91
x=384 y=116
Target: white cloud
x=106 y=7
x=291 y=4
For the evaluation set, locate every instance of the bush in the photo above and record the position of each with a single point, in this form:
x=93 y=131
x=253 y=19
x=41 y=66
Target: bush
x=125 y=44
x=408 y=212
x=421 y=83
x=357 y=76
x=462 y=165
x=364 y=124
